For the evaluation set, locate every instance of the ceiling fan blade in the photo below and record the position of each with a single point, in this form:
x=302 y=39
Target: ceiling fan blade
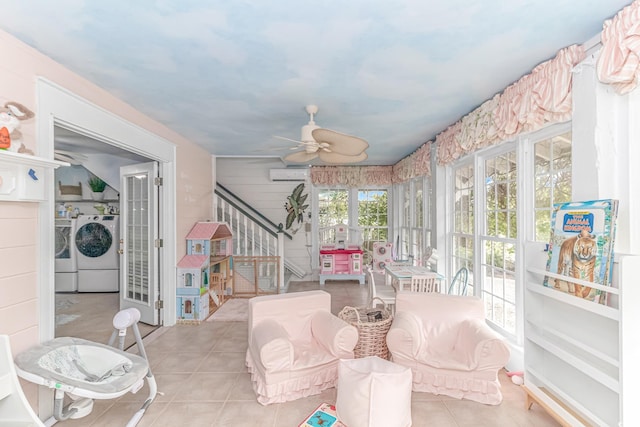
x=337 y=158
x=300 y=157
x=339 y=142
x=289 y=139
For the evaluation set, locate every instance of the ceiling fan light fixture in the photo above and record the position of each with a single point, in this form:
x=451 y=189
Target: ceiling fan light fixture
x=307 y=132
x=330 y=146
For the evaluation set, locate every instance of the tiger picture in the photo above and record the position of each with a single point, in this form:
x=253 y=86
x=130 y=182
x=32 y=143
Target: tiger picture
x=577 y=258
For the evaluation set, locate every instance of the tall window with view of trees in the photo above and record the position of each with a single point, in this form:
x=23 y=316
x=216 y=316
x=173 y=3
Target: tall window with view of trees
x=365 y=209
x=552 y=169
x=499 y=240
x=372 y=219
x=333 y=209
x=415 y=227
x=463 y=221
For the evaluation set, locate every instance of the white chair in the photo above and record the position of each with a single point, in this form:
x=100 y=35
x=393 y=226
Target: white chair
x=425 y=283
x=15 y=410
x=384 y=292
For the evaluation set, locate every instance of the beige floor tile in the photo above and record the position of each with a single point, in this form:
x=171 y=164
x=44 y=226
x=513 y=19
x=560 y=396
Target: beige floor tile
x=191 y=414
x=178 y=362
x=431 y=414
x=246 y=414
x=204 y=386
x=221 y=361
x=121 y=412
x=243 y=388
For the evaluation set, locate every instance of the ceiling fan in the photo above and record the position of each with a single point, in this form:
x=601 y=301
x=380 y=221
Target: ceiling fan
x=69 y=157
x=327 y=145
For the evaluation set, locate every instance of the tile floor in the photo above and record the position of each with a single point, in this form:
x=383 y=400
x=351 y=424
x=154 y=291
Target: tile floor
x=90 y=316
x=200 y=371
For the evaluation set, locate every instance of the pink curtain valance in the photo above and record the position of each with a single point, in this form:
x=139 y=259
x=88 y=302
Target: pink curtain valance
x=619 y=60
x=416 y=164
x=351 y=176
x=542 y=97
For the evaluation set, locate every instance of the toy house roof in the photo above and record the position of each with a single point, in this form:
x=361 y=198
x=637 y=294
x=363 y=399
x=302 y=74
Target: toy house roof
x=193 y=261
x=210 y=230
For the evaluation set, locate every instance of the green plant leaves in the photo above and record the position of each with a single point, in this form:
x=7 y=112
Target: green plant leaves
x=295 y=206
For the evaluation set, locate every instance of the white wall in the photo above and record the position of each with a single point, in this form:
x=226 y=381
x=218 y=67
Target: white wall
x=605 y=154
x=249 y=180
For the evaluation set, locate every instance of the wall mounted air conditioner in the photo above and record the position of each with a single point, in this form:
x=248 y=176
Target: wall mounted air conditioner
x=289 y=174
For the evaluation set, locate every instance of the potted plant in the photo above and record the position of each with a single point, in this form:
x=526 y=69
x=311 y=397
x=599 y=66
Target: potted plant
x=97 y=187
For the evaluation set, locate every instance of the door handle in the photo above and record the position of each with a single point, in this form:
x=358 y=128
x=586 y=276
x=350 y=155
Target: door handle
x=121 y=251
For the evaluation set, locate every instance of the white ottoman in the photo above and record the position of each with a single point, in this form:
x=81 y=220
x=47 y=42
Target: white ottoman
x=373 y=392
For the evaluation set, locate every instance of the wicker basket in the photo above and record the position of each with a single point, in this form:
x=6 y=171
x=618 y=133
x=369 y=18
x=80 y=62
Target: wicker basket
x=372 y=329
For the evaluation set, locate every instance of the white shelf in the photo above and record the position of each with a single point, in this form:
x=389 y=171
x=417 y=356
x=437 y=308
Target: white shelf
x=550 y=331
x=26 y=159
x=556 y=398
x=23 y=177
x=595 y=372
x=594 y=307
x=576 y=350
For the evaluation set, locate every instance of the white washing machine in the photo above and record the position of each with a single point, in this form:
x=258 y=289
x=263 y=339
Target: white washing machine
x=66 y=278
x=96 y=240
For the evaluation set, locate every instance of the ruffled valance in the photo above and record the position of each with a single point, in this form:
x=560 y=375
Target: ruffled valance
x=619 y=60
x=351 y=176
x=416 y=164
x=542 y=97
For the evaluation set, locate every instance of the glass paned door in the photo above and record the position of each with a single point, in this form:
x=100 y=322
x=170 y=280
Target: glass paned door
x=139 y=233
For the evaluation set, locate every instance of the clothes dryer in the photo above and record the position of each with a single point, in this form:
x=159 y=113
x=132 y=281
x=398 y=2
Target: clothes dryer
x=66 y=266
x=96 y=240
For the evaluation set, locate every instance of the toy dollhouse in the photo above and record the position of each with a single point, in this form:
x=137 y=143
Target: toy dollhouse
x=204 y=274
x=342 y=260
x=192 y=287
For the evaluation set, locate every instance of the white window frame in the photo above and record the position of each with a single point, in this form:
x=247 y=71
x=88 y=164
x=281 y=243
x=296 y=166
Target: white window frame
x=524 y=146
x=411 y=229
x=481 y=234
x=352 y=210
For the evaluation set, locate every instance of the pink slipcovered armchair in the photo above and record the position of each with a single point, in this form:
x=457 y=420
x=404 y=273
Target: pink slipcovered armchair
x=295 y=344
x=448 y=346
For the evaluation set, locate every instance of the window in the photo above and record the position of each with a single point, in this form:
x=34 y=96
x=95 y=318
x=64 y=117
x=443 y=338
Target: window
x=415 y=226
x=552 y=180
x=372 y=218
x=499 y=240
x=365 y=210
x=333 y=209
x=491 y=216
x=463 y=221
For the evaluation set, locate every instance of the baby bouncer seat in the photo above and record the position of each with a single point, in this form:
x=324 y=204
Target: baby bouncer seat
x=87 y=370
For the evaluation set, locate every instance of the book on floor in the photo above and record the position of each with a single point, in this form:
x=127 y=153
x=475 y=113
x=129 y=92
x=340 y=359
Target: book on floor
x=323 y=416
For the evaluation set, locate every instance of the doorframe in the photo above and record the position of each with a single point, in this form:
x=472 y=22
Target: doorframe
x=58 y=106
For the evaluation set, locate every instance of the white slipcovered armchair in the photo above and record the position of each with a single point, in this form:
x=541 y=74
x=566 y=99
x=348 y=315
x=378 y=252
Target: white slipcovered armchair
x=295 y=344
x=448 y=346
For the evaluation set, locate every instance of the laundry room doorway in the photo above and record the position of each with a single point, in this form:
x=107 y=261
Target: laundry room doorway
x=100 y=267
x=84 y=132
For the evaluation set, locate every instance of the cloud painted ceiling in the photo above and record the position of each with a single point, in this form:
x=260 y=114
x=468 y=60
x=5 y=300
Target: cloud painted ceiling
x=230 y=75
